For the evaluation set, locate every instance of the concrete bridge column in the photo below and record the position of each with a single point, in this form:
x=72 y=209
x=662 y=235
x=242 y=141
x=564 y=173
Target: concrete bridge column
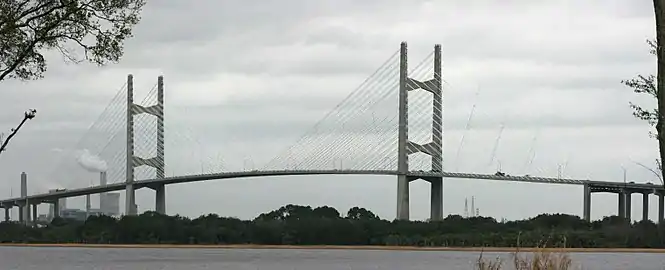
x=160 y=199
x=34 y=214
x=645 y=206
x=629 y=207
x=661 y=208
x=26 y=213
x=21 y=217
x=56 y=208
x=402 y=197
x=7 y=209
x=436 y=199
x=587 y=203
x=622 y=204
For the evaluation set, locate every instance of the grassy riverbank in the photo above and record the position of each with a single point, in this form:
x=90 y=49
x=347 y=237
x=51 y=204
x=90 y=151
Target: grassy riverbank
x=340 y=247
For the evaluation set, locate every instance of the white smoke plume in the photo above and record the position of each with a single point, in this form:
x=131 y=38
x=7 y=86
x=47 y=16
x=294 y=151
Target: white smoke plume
x=91 y=162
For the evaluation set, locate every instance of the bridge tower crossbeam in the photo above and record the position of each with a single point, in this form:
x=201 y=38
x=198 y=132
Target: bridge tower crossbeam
x=134 y=161
x=406 y=147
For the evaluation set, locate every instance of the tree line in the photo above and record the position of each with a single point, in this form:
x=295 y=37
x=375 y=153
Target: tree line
x=305 y=225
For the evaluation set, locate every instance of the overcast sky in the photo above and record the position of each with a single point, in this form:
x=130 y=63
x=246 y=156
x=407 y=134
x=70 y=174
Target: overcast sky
x=245 y=81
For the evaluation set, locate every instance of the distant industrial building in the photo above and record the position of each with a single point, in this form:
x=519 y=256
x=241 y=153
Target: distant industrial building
x=76 y=214
x=109 y=203
x=62 y=205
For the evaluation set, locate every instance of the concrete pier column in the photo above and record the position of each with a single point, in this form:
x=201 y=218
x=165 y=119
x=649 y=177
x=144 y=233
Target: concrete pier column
x=622 y=205
x=436 y=199
x=587 y=203
x=661 y=208
x=21 y=217
x=34 y=214
x=402 y=197
x=7 y=209
x=160 y=199
x=56 y=208
x=629 y=206
x=27 y=215
x=645 y=206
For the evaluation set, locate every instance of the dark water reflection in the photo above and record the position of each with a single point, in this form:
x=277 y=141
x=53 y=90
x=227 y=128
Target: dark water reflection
x=241 y=259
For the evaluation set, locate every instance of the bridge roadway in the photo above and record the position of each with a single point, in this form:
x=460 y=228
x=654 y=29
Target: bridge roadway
x=49 y=197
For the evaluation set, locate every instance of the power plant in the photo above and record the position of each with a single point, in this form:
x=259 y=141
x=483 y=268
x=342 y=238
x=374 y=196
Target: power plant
x=109 y=204
x=475 y=212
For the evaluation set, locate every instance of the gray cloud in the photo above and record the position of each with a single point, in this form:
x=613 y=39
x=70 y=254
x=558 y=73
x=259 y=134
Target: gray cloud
x=245 y=81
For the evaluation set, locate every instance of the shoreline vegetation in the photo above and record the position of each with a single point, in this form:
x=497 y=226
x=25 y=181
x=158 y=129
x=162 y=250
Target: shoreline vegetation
x=306 y=227
x=346 y=247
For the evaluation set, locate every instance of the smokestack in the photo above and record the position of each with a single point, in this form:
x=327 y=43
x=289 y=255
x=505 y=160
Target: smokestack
x=466 y=208
x=87 y=206
x=102 y=179
x=24 y=185
x=25 y=209
x=102 y=196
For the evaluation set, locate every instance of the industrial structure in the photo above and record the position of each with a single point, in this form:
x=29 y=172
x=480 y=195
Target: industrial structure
x=109 y=205
x=109 y=202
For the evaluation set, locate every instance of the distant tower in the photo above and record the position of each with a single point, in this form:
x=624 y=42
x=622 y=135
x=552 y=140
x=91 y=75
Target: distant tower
x=103 y=201
x=473 y=205
x=87 y=206
x=477 y=212
x=466 y=207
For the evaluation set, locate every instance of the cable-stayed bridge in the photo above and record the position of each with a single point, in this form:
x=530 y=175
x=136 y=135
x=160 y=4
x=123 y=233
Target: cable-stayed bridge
x=379 y=129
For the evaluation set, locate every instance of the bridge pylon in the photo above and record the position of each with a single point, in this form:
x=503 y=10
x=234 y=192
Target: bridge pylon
x=134 y=161
x=406 y=147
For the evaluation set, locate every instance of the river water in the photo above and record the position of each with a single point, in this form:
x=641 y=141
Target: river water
x=274 y=259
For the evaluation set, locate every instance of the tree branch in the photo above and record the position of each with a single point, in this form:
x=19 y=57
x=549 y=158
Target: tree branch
x=27 y=27
x=27 y=116
x=650 y=169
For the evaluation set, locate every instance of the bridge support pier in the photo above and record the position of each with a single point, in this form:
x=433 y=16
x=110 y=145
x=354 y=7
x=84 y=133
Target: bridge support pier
x=403 y=205
x=436 y=198
x=34 y=214
x=160 y=199
x=587 y=203
x=7 y=209
x=661 y=208
x=628 y=208
x=622 y=205
x=56 y=208
x=26 y=214
x=645 y=206
x=20 y=213
x=130 y=200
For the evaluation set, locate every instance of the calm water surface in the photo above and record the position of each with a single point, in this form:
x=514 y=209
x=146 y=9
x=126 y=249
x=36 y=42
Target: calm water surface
x=245 y=259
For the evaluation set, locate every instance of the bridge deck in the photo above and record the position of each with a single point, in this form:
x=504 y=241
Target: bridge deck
x=46 y=197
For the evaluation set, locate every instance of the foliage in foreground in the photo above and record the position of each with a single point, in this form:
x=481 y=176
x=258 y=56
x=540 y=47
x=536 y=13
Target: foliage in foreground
x=542 y=259
x=648 y=85
x=304 y=225
x=80 y=30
